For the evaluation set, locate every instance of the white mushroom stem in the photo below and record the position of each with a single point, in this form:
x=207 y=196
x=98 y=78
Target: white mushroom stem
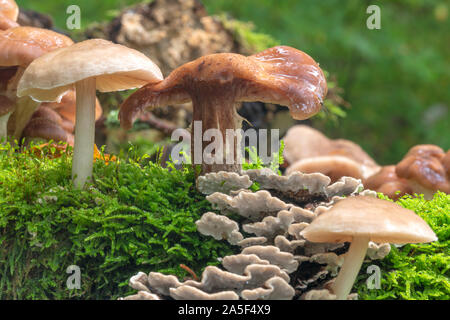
x=350 y=269
x=4 y=125
x=83 y=156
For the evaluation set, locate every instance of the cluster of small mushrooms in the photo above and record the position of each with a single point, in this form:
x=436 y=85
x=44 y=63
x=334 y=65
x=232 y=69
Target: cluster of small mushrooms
x=300 y=221
x=425 y=169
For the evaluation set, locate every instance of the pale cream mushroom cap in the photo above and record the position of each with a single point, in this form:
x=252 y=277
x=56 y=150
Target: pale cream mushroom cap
x=363 y=216
x=115 y=67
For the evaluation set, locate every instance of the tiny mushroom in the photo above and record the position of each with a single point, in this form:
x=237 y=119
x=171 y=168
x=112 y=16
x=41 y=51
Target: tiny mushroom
x=18 y=48
x=424 y=168
x=67 y=108
x=9 y=12
x=90 y=65
x=47 y=124
x=302 y=142
x=335 y=167
x=216 y=83
x=387 y=182
x=361 y=219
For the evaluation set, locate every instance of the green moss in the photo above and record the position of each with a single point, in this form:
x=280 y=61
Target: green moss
x=417 y=271
x=135 y=217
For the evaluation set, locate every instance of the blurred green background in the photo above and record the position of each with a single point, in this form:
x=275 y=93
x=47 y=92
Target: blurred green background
x=396 y=78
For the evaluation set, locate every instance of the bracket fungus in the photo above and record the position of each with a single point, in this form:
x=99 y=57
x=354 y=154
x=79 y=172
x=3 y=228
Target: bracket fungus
x=18 y=48
x=361 y=219
x=89 y=65
x=216 y=83
x=425 y=170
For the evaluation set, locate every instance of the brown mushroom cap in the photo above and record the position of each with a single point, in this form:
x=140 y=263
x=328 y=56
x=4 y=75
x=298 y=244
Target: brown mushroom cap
x=9 y=9
x=113 y=66
x=280 y=75
x=387 y=182
x=21 y=45
x=303 y=142
x=423 y=165
x=67 y=107
x=46 y=129
x=362 y=216
x=335 y=167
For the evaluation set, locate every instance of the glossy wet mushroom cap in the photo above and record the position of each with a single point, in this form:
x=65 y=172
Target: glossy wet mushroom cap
x=9 y=12
x=280 y=75
x=387 y=182
x=217 y=83
x=423 y=166
x=21 y=45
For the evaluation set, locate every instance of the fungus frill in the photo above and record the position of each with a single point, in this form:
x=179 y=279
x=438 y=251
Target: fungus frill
x=216 y=83
x=424 y=167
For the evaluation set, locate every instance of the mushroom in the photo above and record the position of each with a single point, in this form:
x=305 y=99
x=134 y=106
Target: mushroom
x=45 y=128
x=66 y=108
x=423 y=167
x=361 y=219
x=216 y=83
x=18 y=48
x=335 y=167
x=88 y=65
x=387 y=182
x=9 y=12
x=302 y=142
x=48 y=124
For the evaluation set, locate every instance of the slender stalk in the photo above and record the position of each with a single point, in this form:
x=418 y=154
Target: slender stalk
x=83 y=156
x=215 y=108
x=4 y=125
x=350 y=269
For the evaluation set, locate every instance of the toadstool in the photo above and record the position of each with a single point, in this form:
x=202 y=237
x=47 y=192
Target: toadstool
x=216 y=83
x=388 y=183
x=88 y=65
x=6 y=108
x=18 y=48
x=303 y=142
x=424 y=168
x=335 y=167
x=9 y=12
x=361 y=219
